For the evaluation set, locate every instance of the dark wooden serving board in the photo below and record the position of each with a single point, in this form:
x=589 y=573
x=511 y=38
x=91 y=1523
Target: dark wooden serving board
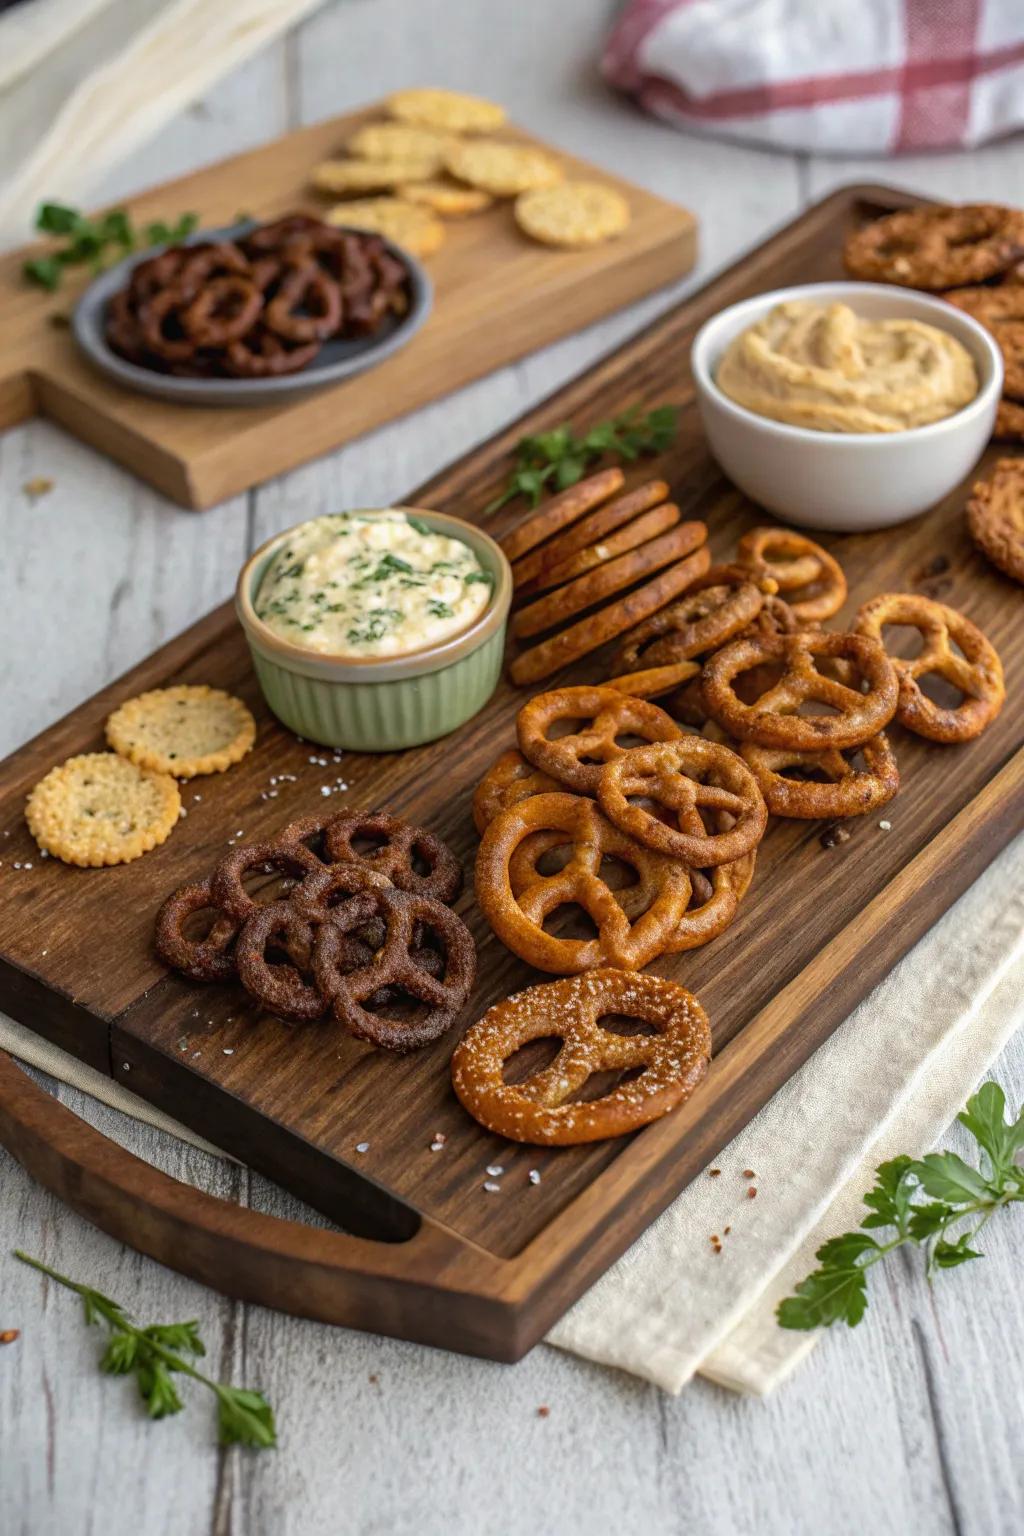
x=497 y=296
x=431 y=1255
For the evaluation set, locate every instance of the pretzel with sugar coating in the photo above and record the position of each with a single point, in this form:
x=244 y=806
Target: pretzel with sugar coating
x=977 y=673
x=773 y=721
x=846 y=791
x=518 y=917
x=685 y=777
x=673 y=1060
x=206 y=958
x=611 y=714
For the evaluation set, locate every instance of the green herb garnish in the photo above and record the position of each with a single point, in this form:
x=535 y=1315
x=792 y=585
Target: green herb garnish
x=154 y=1355
x=96 y=241
x=374 y=626
x=475 y=577
x=938 y=1203
x=557 y=459
x=418 y=523
x=439 y=610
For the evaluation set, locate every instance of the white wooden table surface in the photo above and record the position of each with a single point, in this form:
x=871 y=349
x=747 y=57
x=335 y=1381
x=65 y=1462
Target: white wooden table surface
x=909 y=1425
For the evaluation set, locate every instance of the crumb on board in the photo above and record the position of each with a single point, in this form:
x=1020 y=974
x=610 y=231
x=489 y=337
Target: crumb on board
x=10 y=1335
x=37 y=487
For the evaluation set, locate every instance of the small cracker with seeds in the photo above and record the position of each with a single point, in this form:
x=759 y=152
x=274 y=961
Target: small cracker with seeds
x=339 y=177
x=397 y=141
x=995 y=517
x=574 y=214
x=415 y=228
x=447 y=198
x=184 y=730
x=502 y=169
x=100 y=809
x=451 y=111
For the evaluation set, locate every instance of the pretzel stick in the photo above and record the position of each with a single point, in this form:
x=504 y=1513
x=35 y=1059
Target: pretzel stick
x=561 y=510
x=639 y=531
x=589 y=633
x=607 y=579
x=589 y=530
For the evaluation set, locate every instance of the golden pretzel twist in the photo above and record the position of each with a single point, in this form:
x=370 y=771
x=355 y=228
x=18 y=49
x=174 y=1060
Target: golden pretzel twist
x=518 y=917
x=808 y=577
x=773 y=720
x=685 y=777
x=977 y=673
x=846 y=791
x=577 y=758
x=672 y=1061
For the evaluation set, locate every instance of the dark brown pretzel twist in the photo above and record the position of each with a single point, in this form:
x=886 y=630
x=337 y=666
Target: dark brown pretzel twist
x=394 y=966
x=402 y=843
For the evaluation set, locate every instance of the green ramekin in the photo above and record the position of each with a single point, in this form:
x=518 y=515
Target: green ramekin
x=381 y=704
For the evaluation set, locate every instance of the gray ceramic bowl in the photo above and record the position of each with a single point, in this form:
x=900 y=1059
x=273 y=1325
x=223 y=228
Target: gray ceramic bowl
x=335 y=361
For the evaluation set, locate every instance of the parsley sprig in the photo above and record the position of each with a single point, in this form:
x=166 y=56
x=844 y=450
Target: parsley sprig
x=938 y=1203
x=95 y=241
x=154 y=1355
x=557 y=459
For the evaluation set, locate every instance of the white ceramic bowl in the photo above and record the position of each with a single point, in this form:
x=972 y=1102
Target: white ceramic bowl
x=844 y=481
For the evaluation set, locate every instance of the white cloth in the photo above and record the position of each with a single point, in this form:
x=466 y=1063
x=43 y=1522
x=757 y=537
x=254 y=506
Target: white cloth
x=834 y=77
x=671 y=1306
x=112 y=93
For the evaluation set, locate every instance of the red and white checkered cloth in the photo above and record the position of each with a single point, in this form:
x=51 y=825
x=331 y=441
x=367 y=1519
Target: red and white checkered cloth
x=832 y=76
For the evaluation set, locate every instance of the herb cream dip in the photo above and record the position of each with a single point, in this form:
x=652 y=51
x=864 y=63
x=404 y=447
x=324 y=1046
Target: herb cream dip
x=371 y=583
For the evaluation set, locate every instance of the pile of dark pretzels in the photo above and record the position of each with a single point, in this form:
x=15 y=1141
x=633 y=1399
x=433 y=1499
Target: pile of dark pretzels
x=359 y=923
x=258 y=307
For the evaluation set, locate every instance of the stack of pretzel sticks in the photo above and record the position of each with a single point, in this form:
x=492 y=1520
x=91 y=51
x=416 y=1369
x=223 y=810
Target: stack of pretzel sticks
x=591 y=544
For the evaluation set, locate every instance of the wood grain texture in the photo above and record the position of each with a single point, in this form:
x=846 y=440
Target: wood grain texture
x=906 y=1424
x=497 y=295
x=817 y=931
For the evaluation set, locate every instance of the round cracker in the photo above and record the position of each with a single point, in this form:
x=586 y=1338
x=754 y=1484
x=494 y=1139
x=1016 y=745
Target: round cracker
x=397 y=141
x=447 y=198
x=100 y=809
x=407 y=224
x=341 y=176
x=184 y=730
x=574 y=214
x=502 y=169
x=453 y=111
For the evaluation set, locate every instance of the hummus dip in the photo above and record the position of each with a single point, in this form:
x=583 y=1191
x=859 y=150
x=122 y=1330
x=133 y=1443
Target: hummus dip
x=826 y=368
x=373 y=583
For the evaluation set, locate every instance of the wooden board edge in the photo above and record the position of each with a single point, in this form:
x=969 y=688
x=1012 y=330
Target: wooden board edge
x=432 y=1289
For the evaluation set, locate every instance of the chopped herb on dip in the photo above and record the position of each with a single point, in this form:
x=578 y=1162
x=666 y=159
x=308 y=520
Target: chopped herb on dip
x=371 y=584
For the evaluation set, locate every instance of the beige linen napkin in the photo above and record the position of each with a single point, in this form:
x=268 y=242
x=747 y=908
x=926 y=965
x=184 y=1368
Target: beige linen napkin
x=671 y=1307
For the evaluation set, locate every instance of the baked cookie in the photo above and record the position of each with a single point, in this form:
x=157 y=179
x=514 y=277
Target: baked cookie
x=502 y=169
x=451 y=111
x=406 y=224
x=995 y=516
x=574 y=214
x=184 y=730
x=100 y=809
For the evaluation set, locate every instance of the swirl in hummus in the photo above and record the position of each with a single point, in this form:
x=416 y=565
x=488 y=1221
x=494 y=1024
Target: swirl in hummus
x=828 y=369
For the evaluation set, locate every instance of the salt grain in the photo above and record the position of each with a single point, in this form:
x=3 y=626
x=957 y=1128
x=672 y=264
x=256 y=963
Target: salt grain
x=362 y=1146
x=886 y=826
x=495 y=1170
x=491 y=1187
x=534 y=1176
